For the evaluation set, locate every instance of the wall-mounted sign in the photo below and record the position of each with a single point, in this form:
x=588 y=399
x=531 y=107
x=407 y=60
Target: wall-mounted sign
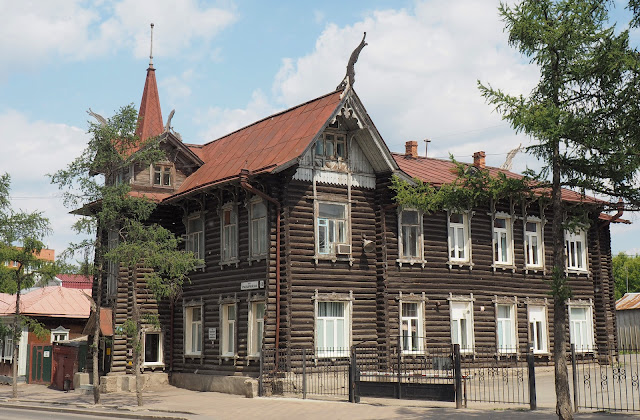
x=250 y=285
x=45 y=354
x=212 y=334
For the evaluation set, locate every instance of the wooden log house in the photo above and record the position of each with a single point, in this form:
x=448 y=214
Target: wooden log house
x=304 y=247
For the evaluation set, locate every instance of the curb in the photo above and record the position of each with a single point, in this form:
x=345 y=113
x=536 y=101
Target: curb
x=114 y=412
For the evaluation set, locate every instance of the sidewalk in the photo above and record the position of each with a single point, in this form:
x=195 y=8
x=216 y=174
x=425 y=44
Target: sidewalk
x=168 y=402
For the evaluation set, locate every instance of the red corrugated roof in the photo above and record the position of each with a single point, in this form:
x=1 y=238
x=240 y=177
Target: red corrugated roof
x=51 y=301
x=263 y=145
x=150 y=116
x=76 y=281
x=628 y=301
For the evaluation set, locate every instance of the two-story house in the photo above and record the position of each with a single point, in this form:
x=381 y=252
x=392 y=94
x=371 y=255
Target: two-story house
x=304 y=247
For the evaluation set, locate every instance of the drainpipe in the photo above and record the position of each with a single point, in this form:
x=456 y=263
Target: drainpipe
x=244 y=176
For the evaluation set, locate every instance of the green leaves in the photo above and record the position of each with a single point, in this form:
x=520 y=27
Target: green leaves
x=626 y=269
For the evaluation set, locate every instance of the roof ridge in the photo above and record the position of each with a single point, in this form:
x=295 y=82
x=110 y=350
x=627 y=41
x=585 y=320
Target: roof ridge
x=271 y=116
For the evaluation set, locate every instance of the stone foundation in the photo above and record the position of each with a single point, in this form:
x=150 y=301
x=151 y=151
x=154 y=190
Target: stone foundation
x=237 y=385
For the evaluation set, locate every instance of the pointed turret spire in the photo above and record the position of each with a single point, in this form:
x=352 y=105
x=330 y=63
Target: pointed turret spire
x=150 y=115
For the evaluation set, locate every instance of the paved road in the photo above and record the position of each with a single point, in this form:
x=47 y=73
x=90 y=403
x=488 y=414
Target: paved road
x=19 y=414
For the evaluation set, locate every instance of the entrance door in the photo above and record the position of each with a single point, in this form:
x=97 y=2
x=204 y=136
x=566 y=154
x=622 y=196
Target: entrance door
x=40 y=365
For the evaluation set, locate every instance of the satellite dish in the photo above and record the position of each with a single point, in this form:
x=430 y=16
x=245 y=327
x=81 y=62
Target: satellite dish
x=368 y=246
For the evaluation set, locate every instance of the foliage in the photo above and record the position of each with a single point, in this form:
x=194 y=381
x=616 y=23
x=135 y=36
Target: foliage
x=626 y=266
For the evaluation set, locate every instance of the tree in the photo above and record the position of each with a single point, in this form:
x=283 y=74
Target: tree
x=21 y=236
x=626 y=272
x=109 y=208
x=583 y=116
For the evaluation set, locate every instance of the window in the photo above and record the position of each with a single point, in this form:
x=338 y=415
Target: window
x=533 y=243
x=162 y=175
x=538 y=328
x=195 y=235
x=576 y=250
x=59 y=334
x=152 y=348
x=332 y=227
x=332 y=329
x=502 y=240
x=256 y=327
x=411 y=327
x=410 y=241
x=229 y=233
x=229 y=330
x=581 y=327
x=462 y=325
x=506 y=328
x=458 y=237
x=193 y=330
x=8 y=349
x=331 y=146
x=113 y=267
x=258 y=232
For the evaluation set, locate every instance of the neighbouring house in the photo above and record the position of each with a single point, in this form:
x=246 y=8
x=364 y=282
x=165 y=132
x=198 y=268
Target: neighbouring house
x=304 y=247
x=628 y=320
x=75 y=281
x=45 y=254
x=63 y=311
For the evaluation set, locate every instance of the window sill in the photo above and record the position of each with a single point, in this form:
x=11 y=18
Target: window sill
x=505 y=267
x=416 y=353
x=534 y=268
x=229 y=263
x=256 y=259
x=460 y=264
x=335 y=258
x=153 y=364
x=193 y=355
x=578 y=272
x=411 y=262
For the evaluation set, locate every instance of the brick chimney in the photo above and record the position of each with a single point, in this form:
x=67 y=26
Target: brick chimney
x=478 y=159
x=411 y=149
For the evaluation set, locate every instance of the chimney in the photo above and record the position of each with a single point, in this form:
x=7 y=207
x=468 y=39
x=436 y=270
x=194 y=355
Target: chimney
x=478 y=159
x=411 y=149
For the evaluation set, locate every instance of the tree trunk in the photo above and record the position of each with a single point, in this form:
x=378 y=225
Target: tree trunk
x=137 y=344
x=16 y=336
x=96 y=329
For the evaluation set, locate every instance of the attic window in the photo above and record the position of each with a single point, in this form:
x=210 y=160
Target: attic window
x=162 y=175
x=332 y=146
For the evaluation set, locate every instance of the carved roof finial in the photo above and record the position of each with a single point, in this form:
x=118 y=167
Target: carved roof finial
x=350 y=77
x=151 y=49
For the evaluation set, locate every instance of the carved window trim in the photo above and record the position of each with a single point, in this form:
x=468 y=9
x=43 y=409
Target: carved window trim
x=466 y=229
x=420 y=301
x=229 y=232
x=468 y=316
x=419 y=258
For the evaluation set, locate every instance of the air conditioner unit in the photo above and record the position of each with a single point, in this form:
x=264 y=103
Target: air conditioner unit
x=343 y=249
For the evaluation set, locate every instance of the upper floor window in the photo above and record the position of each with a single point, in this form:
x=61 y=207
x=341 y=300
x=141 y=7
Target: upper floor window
x=332 y=229
x=410 y=233
x=258 y=228
x=506 y=328
x=576 y=250
x=331 y=146
x=195 y=235
x=502 y=243
x=59 y=334
x=411 y=327
x=533 y=243
x=229 y=222
x=458 y=236
x=581 y=327
x=162 y=175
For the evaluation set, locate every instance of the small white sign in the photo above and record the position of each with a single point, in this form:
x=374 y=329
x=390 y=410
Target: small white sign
x=249 y=285
x=46 y=354
x=212 y=334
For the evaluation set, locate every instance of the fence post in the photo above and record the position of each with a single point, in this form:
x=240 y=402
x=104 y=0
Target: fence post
x=399 y=351
x=533 y=403
x=574 y=369
x=304 y=373
x=353 y=377
x=457 y=373
x=260 y=384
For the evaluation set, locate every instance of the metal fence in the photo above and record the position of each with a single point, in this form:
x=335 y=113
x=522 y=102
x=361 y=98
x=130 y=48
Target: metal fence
x=606 y=379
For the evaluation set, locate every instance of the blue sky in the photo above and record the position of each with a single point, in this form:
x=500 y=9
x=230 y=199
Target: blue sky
x=223 y=64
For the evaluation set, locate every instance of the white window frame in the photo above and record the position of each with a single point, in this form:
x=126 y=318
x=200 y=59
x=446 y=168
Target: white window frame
x=407 y=323
x=576 y=261
x=585 y=327
x=193 y=347
x=333 y=352
x=229 y=234
x=508 y=325
x=194 y=240
x=256 y=327
x=528 y=248
x=419 y=257
x=228 y=331
x=163 y=169
x=453 y=245
x=538 y=328
x=160 y=361
x=326 y=224
x=8 y=348
x=258 y=230
x=507 y=231
x=462 y=307
x=59 y=334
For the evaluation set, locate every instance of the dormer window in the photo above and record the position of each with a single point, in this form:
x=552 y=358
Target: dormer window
x=332 y=146
x=162 y=175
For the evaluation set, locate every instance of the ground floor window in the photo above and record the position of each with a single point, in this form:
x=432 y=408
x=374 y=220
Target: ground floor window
x=59 y=334
x=332 y=329
x=152 y=348
x=581 y=327
x=8 y=349
x=193 y=330
x=506 y=328
x=411 y=327
x=228 y=341
x=538 y=328
x=462 y=325
x=256 y=327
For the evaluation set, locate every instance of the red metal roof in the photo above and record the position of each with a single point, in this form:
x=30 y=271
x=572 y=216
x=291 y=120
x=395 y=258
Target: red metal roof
x=628 y=301
x=150 y=116
x=50 y=301
x=263 y=145
x=76 y=281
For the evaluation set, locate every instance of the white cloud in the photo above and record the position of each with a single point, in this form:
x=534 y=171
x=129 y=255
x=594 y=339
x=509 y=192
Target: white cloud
x=36 y=31
x=177 y=89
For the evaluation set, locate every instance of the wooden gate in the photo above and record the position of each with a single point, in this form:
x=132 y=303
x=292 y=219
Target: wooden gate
x=40 y=364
